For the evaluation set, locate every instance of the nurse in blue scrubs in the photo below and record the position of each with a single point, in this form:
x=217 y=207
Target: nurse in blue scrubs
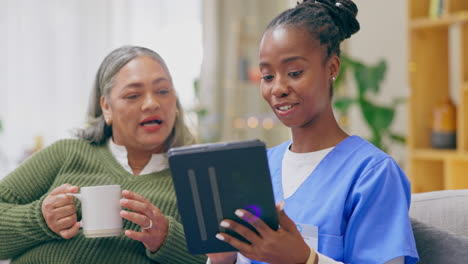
x=340 y=199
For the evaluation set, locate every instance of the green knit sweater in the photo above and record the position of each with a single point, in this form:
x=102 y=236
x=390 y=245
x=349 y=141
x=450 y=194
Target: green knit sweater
x=26 y=238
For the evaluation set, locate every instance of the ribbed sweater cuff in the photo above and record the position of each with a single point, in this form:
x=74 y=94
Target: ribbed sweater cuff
x=37 y=218
x=174 y=249
x=25 y=219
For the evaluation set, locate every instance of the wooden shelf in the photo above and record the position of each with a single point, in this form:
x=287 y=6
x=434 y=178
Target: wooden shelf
x=444 y=21
x=431 y=154
x=438 y=47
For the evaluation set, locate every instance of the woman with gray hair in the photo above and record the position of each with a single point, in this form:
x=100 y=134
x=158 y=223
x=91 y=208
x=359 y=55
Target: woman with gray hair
x=134 y=118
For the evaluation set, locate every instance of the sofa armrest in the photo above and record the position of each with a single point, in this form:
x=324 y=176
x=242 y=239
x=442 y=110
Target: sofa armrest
x=446 y=210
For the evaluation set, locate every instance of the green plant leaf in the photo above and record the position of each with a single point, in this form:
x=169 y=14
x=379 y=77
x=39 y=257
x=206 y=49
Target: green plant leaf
x=378 y=117
x=342 y=104
x=377 y=75
x=196 y=88
x=202 y=113
x=399 y=100
x=376 y=138
x=397 y=138
x=360 y=75
x=369 y=78
x=350 y=62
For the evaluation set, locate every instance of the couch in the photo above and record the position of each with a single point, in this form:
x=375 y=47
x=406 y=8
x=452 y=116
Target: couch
x=440 y=226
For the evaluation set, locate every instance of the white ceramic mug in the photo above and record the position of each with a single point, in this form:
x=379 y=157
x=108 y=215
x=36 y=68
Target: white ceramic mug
x=100 y=210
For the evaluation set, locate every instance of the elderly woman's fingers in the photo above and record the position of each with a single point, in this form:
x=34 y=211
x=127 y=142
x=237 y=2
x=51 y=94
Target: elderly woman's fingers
x=154 y=225
x=152 y=238
x=61 y=200
x=71 y=232
x=66 y=222
x=58 y=210
x=147 y=209
x=136 y=218
x=64 y=211
x=139 y=236
x=134 y=196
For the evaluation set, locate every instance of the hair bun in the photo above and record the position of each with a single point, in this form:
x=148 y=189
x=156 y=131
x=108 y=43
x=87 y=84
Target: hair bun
x=344 y=14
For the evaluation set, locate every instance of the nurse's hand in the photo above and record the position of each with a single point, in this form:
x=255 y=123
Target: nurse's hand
x=282 y=246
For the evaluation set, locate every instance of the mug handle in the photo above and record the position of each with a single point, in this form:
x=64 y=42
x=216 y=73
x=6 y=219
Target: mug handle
x=79 y=196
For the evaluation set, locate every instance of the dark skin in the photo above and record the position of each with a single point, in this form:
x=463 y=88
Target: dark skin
x=269 y=246
x=297 y=73
x=296 y=80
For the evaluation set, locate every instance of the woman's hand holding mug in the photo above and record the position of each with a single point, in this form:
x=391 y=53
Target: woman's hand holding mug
x=59 y=211
x=154 y=225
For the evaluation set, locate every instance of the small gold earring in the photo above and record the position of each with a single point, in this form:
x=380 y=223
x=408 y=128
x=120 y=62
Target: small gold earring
x=109 y=122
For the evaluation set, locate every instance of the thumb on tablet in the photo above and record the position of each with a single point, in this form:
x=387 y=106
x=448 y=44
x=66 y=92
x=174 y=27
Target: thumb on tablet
x=284 y=221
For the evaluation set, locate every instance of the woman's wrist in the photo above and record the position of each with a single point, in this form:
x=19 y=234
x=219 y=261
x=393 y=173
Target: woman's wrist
x=209 y=261
x=313 y=259
x=222 y=258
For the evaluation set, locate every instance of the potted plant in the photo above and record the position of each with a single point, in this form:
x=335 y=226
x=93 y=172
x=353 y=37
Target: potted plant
x=378 y=117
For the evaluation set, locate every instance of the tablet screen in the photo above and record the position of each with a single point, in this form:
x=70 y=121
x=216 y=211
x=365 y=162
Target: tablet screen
x=212 y=181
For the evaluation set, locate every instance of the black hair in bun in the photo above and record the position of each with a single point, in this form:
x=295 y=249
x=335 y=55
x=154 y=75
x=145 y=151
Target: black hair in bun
x=330 y=21
x=344 y=14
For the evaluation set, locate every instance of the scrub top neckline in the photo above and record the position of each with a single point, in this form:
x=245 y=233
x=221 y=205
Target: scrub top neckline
x=322 y=164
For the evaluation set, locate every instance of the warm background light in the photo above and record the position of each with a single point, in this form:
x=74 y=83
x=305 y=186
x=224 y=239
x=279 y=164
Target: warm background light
x=267 y=123
x=239 y=123
x=252 y=122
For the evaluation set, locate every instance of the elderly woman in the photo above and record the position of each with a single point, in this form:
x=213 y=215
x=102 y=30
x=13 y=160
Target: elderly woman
x=134 y=118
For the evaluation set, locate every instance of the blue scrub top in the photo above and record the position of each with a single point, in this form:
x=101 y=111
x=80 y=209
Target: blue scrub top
x=358 y=197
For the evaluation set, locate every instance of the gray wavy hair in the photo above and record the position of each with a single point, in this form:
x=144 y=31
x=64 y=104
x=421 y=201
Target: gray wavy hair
x=97 y=131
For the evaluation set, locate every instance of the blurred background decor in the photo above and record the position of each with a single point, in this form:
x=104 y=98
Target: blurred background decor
x=444 y=125
x=52 y=48
x=378 y=116
x=438 y=71
x=197 y=113
x=230 y=76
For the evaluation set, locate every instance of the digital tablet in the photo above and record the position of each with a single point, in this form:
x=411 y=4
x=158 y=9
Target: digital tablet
x=212 y=181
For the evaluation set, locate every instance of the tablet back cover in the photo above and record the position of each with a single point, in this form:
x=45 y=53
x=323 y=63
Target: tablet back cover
x=212 y=181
